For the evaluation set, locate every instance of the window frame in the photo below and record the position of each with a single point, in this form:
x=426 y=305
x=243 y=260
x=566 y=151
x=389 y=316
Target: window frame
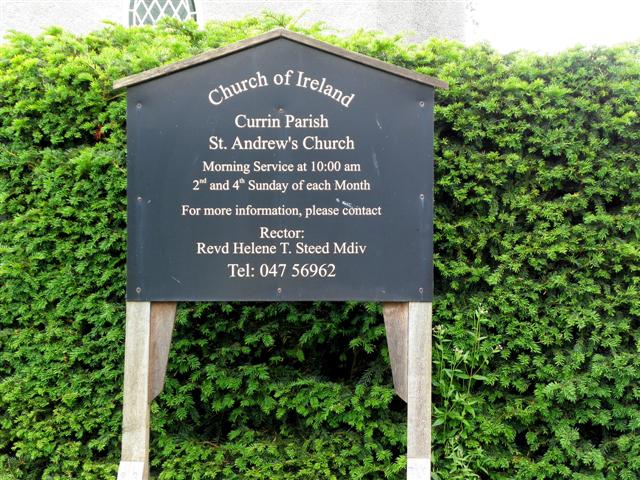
x=197 y=4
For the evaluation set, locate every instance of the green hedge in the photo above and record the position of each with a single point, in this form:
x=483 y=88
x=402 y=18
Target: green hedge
x=537 y=258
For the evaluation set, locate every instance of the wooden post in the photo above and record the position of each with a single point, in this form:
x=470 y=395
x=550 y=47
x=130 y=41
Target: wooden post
x=408 y=327
x=419 y=392
x=148 y=337
x=396 y=323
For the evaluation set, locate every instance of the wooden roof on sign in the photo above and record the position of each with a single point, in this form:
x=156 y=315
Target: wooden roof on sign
x=267 y=37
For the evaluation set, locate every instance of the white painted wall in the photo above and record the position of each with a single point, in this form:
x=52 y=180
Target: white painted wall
x=79 y=16
x=424 y=18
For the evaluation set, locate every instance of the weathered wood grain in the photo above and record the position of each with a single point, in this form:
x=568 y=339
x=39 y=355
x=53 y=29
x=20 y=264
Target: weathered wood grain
x=267 y=37
x=396 y=323
x=148 y=338
x=419 y=392
x=135 y=421
x=163 y=315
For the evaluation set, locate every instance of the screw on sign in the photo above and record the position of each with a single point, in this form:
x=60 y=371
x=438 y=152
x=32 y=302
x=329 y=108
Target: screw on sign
x=279 y=168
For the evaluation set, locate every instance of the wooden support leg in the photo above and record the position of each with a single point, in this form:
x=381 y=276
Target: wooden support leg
x=148 y=337
x=163 y=315
x=419 y=392
x=396 y=323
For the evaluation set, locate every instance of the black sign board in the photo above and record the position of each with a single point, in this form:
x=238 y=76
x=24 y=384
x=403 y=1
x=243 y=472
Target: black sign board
x=286 y=169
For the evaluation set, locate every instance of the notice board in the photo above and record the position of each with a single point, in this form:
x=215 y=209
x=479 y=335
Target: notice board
x=280 y=171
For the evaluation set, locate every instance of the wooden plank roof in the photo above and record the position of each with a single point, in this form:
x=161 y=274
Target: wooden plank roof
x=267 y=37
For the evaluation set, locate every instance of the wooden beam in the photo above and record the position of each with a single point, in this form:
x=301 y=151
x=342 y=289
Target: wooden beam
x=134 y=464
x=267 y=37
x=396 y=323
x=148 y=337
x=163 y=315
x=419 y=392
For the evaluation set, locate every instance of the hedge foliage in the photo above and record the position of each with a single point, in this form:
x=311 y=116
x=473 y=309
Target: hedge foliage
x=537 y=254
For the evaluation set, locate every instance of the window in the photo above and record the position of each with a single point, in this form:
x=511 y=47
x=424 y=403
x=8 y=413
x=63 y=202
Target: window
x=148 y=12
